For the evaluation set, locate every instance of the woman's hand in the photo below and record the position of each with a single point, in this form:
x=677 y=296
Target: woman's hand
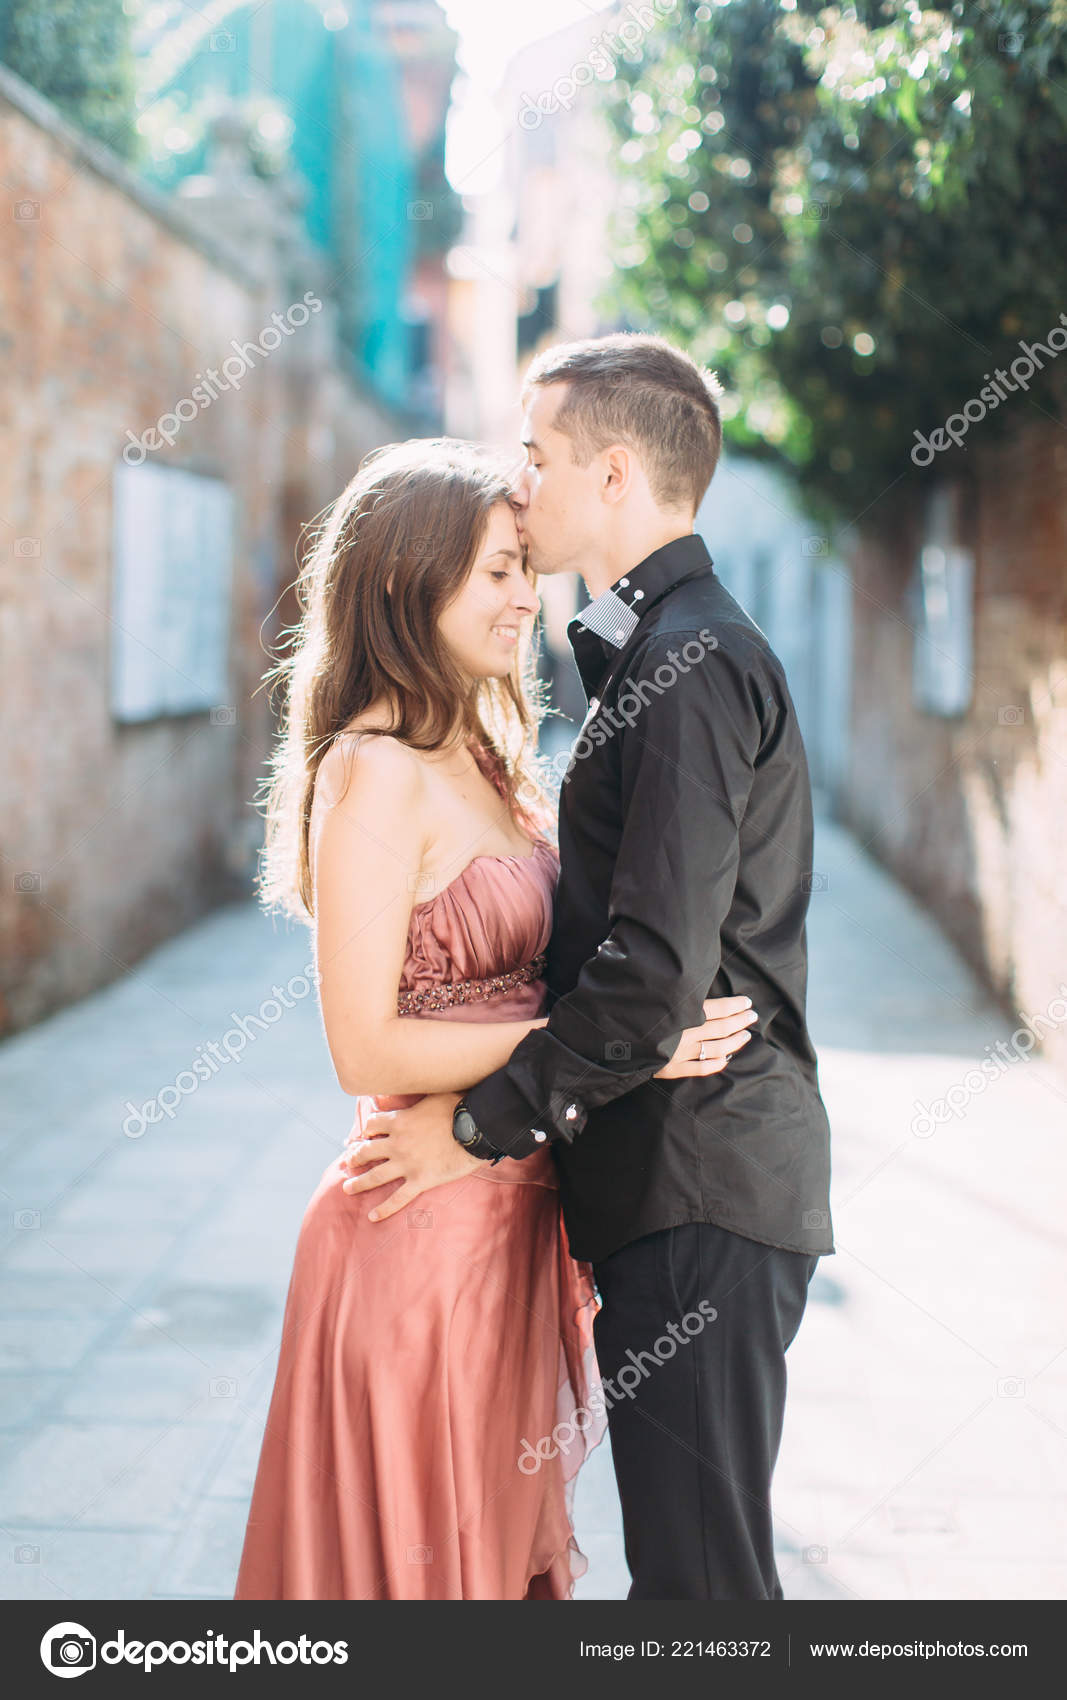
x=724 y=1030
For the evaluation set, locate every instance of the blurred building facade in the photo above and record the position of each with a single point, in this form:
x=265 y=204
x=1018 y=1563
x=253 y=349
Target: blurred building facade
x=183 y=398
x=423 y=50
x=957 y=777
x=533 y=255
x=799 y=593
x=528 y=271
x=348 y=100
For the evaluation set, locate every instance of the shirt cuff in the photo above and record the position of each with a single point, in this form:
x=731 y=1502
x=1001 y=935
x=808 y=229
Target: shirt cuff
x=508 y=1120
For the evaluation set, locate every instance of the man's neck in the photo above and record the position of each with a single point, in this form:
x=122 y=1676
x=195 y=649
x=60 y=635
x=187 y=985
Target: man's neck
x=602 y=575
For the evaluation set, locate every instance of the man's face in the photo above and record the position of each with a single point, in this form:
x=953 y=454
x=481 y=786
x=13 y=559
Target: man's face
x=557 y=503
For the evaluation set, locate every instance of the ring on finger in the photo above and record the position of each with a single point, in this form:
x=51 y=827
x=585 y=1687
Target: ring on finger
x=703 y=1053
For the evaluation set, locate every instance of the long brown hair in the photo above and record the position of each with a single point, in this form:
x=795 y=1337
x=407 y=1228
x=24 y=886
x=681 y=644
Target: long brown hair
x=389 y=556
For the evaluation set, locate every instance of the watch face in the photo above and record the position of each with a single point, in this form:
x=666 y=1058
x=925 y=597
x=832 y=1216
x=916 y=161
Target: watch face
x=464 y=1126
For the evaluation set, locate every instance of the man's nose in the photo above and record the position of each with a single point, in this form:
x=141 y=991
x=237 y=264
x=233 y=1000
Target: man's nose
x=520 y=495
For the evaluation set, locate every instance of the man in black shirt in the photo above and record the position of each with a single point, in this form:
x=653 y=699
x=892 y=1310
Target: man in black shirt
x=685 y=847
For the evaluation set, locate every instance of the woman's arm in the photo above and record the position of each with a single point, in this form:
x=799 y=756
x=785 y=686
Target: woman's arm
x=368 y=838
x=459 y=1054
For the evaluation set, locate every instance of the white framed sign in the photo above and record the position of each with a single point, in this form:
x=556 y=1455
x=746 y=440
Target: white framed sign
x=943 y=655
x=172 y=572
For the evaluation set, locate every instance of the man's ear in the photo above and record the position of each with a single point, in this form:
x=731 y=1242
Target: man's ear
x=618 y=472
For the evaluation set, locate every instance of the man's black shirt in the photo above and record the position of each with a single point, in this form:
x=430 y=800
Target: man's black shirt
x=685 y=870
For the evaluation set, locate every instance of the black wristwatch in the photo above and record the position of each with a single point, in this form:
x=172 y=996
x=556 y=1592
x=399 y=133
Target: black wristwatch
x=466 y=1132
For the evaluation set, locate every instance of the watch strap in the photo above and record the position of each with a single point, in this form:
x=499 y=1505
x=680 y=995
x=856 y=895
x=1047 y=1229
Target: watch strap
x=479 y=1146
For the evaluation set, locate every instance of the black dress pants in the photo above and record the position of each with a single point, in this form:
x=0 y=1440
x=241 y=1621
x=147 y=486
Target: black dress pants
x=691 y=1343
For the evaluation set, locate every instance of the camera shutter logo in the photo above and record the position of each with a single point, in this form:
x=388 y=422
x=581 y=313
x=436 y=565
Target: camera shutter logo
x=68 y=1649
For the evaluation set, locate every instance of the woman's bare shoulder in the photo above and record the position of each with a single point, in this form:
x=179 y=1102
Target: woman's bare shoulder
x=357 y=764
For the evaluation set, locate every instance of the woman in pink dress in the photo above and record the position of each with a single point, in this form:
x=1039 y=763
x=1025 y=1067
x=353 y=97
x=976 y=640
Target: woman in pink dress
x=423 y=1358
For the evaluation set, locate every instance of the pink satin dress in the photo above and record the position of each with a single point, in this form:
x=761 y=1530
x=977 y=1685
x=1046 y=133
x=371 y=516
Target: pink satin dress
x=424 y=1358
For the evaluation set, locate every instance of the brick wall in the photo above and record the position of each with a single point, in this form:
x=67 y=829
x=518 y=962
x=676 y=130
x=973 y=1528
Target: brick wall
x=971 y=812
x=111 y=300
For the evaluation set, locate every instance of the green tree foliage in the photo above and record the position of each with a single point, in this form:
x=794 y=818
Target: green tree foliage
x=854 y=213
x=77 y=54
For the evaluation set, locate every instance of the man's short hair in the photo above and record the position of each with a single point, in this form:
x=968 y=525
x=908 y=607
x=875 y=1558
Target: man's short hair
x=638 y=390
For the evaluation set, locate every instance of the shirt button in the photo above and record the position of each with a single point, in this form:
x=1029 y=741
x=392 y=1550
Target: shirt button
x=571 y=1112
x=620 y=634
x=538 y=1134
x=638 y=594
x=623 y=582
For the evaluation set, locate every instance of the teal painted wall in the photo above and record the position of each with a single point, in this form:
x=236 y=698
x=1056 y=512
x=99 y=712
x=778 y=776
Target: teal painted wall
x=341 y=90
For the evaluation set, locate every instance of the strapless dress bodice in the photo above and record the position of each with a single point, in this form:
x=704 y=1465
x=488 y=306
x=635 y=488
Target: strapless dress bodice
x=487 y=925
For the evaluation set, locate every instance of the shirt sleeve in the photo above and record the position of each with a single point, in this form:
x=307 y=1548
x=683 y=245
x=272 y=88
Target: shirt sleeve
x=690 y=734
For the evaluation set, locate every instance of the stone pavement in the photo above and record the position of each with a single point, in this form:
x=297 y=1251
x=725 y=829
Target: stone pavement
x=142 y=1278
